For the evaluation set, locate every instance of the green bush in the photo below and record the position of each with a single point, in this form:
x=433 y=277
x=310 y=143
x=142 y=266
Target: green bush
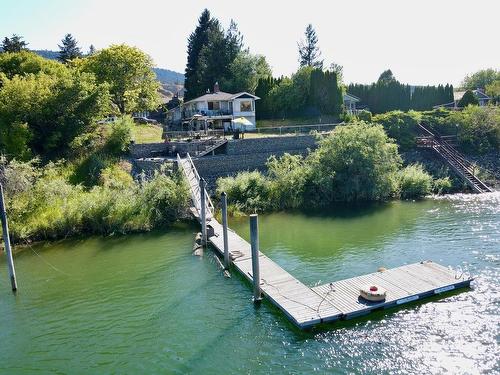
x=248 y=190
x=414 y=182
x=442 y=185
x=288 y=176
x=365 y=116
x=120 y=135
x=401 y=126
x=478 y=128
x=356 y=162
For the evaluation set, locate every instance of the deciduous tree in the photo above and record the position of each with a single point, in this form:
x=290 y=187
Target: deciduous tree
x=128 y=73
x=480 y=79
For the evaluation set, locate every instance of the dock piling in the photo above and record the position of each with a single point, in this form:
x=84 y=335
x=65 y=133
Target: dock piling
x=224 y=229
x=6 y=240
x=203 y=213
x=254 y=242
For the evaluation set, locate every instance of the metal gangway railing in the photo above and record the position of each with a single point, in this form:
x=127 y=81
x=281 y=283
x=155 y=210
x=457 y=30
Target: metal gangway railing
x=191 y=173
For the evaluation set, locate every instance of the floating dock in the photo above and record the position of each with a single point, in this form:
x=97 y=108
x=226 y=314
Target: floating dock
x=306 y=306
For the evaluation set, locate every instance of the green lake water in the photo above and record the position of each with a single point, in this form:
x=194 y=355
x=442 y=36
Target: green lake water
x=143 y=304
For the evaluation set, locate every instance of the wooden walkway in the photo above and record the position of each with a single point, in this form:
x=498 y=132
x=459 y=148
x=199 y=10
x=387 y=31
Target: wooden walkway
x=306 y=306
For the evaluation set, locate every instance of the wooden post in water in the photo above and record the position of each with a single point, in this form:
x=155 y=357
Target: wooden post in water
x=254 y=242
x=203 y=213
x=224 y=229
x=6 y=241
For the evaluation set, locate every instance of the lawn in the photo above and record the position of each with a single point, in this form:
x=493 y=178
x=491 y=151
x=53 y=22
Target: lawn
x=147 y=133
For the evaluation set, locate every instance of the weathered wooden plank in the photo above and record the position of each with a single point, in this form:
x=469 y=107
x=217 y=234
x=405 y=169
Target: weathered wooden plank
x=403 y=284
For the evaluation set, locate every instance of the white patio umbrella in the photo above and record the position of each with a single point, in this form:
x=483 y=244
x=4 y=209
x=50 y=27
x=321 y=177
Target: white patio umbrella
x=241 y=123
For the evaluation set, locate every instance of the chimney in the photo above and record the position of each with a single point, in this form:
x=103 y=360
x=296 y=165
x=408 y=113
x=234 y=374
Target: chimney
x=216 y=88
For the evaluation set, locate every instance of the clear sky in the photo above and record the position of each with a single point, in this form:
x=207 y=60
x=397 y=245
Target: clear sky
x=421 y=41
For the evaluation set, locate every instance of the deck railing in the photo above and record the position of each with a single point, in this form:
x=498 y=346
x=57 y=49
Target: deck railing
x=295 y=129
x=194 y=134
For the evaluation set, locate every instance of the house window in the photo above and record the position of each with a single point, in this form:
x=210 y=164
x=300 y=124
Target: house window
x=213 y=106
x=246 y=106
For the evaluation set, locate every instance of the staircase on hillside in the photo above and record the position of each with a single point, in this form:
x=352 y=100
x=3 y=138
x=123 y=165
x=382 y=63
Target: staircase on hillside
x=462 y=167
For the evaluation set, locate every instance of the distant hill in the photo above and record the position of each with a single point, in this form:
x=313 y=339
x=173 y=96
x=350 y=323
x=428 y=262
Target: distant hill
x=171 y=82
x=169 y=76
x=52 y=55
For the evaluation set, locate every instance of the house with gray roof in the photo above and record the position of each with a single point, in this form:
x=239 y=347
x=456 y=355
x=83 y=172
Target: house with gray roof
x=217 y=110
x=482 y=98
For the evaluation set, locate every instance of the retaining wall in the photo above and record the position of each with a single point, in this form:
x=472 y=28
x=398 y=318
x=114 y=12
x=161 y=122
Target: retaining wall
x=241 y=155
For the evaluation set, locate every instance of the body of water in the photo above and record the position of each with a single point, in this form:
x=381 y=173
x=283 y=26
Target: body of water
x=144 y=304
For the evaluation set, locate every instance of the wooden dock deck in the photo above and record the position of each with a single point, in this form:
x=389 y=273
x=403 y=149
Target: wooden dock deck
x=306 y=306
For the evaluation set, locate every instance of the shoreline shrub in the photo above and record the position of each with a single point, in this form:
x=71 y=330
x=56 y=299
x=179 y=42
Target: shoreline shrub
x=43 y=204
x=414 y=182
x=248 y=190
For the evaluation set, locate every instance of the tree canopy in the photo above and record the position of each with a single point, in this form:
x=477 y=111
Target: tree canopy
x=13 y=44
x=41 y=113
x=25 y=62
x=46 y=107
x=245 y=72
x=309 y=52
x=480 y=79
x=69 y=49
x=216 y=55
x=386 y=77
x=128 y=73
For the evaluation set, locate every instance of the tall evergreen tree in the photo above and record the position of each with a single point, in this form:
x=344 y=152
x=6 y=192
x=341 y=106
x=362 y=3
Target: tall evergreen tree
x=213 y=61
x=234 y=41
x=14 y=44
x=196 y=41
x=91 y=50
x=309 y=53
x=69 y=49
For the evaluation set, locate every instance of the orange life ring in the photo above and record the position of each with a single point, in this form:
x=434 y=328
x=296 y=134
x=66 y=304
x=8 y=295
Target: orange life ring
x=373 y=293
